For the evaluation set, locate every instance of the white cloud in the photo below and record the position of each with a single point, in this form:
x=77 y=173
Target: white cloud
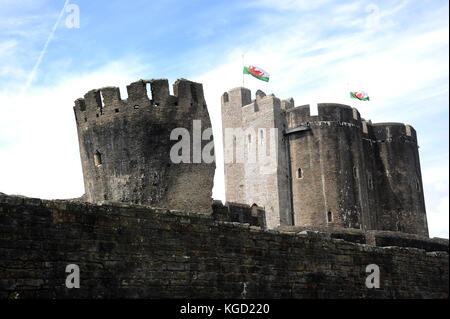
x=39 y=154
x=395 y=68
x=300 y=5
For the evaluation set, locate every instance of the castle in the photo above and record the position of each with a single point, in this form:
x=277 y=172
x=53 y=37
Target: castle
x=341 y=195
x=333 y=169
x=330 y=170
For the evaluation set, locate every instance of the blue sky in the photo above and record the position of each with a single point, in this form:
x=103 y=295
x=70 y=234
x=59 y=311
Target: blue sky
x=315 y=51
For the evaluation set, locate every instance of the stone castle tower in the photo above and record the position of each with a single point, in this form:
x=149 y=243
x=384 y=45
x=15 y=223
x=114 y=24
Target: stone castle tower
x=333 y=169
x=125 y=145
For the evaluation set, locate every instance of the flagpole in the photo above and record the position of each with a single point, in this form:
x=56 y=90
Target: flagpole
x=348 y=95
x=243 y=71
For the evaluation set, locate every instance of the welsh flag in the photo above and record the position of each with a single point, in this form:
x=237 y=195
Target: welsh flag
x=257 y=72
x=360 y=95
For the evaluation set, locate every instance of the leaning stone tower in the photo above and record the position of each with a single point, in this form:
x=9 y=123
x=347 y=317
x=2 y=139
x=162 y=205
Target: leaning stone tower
x=125 y=145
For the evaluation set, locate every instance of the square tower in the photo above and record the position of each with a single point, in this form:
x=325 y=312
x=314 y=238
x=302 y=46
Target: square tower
x=256 y=170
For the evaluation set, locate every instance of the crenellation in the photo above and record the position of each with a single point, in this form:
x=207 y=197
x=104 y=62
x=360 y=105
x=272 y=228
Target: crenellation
x=335 y=112
x=80 y=111
x=137 y=94
x=160 y=91
x=356 y=115
x=93 y=104
x=259 y=94
x=387 y=132
x=411 y=132
x=125 y=145
x=80 y=104
x=365 y=127
x=298 y=115
x=287 y=104
x=105 y=104
x=111 y=96
x=342 y=171
x=225 y=98
x=112 y=102
x=241 y=96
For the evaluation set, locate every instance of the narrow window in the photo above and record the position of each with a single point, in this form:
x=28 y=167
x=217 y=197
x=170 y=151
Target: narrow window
x=355 y=172
x=330 y=217
x=249 y=138
x=262 y=136
x=102 y=103
x=97 y=158
x=417 y=185
x=299 y=173
x=370 y=182
x=149 y=91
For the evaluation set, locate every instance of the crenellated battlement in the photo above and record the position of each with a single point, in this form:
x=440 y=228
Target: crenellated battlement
x=333 y=168
x=341 y=114
x=328 y=113
x=143 y=95
x=388 y=132
x=126 y=145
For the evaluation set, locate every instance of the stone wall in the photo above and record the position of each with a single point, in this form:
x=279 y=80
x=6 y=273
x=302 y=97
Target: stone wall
x=339 y=171
x=126 y=145
x=378 y=238
x=262 y=179
x=140 y=252
x=332 y=189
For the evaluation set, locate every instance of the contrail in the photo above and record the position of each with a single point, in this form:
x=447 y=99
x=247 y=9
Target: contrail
x=44 y=50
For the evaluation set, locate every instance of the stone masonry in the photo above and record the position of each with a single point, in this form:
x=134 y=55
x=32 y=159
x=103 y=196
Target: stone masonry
x=333 y=169
x=125 y=145
x=342 y=194
x=131 y=251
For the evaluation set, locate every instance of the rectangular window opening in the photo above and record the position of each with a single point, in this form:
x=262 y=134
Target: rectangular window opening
x=97 y=158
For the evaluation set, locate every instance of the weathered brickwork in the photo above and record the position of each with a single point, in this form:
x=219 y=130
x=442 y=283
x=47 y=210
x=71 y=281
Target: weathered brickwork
x=125 y=145
x=333 y=169
x=140 y=252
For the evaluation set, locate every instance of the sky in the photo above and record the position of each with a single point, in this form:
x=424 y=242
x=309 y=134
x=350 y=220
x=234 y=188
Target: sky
x=315 y=51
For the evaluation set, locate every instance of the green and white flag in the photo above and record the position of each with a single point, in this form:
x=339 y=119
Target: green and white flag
x=258 y=73
x=360 y=95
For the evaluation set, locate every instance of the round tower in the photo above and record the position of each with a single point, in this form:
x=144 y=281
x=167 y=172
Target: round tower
x=125 y=145
x=327 y=164
x=400 y=196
